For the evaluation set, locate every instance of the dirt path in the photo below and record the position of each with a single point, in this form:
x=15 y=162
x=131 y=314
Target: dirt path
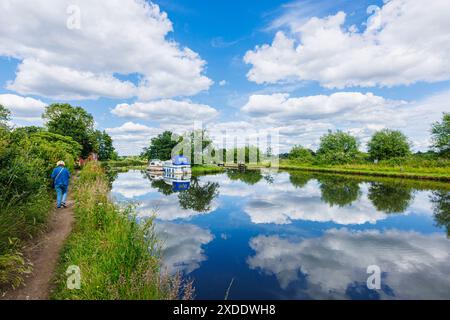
x=44 y=254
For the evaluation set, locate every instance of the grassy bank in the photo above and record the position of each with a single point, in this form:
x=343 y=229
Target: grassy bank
x=128 y=162
x=207 y=169
x=118 y=256
x=441 y=173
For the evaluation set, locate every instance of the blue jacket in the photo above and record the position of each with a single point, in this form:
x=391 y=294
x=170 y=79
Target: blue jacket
x=63 y=178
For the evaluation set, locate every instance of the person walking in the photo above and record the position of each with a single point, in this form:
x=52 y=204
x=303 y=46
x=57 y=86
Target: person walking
x=61 y=177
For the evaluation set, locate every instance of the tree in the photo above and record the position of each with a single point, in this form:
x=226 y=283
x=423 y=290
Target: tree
x=301 y=154
x=5 y=115
x=387 y=144
x=105 y=146
x=337 y=148
x=74 y=122
x=440 y=132
x=198 y=142
x=160 y=147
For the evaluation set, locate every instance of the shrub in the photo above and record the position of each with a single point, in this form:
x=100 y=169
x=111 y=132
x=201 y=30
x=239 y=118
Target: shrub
x=300 y=154
x=387 y=144
x=337 y=148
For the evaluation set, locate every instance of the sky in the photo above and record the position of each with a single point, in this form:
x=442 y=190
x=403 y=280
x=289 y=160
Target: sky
x=298 y=67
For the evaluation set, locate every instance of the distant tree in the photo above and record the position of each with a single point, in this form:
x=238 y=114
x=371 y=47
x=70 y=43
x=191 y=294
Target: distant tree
x=30 y=129
x=199 y=142
x=5 y=115
x=301 y=154
x=337 y=148
x=389 y=197
x=74 y=122
x=160 y=147
x=249 y=153
x=440 y=132
x=386 y=144
x=105 y=146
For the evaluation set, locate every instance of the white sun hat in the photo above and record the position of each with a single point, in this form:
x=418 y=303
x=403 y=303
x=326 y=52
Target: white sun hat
x=60 y=163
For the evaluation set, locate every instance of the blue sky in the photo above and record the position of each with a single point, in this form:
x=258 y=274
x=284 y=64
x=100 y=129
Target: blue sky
x=301 y=67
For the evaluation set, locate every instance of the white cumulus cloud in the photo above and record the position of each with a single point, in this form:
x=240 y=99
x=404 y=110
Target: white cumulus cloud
x=116 y=39
x=23 y=108
x=166 y=111
x=399 y=45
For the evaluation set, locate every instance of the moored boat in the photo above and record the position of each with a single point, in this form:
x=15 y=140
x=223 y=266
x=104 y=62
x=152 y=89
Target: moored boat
x=178 y=166
x=155 y=165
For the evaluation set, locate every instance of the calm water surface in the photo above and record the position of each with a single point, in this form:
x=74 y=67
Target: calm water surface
x=281 y=235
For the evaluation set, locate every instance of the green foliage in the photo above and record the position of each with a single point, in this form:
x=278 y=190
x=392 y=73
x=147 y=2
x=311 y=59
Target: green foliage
x=440 y=133
x=74 y=122
x=247 y=154
x=160 y=147
x=337 y=148
x=5 y=115
x=198 y=142
x=391 y=197
x=105 y=146
x=27 y=156
x=119 y=256
x=301 y=154
x=24 y=202
x=388 y=144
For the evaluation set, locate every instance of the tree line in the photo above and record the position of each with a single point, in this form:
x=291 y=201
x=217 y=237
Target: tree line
x=385 y=145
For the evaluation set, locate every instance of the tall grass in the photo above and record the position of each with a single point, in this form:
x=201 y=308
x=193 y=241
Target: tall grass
x=118 y=256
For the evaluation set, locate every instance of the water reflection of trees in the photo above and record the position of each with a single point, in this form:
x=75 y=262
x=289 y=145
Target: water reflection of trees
x=250 y=177
x=441 y=207
x=390 y=197
x=199 y=196
x=338 y=190
x=299 y=179
x=162 y=187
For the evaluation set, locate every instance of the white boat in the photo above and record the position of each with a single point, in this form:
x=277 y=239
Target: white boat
x=155 y=166
x=178 y=166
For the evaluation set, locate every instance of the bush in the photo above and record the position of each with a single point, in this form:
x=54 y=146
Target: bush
x=26 y=160
x=387 y=144
x=300 y=154
x=337 y=148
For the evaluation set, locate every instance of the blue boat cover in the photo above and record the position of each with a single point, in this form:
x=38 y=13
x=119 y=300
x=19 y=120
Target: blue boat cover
x=180 y=160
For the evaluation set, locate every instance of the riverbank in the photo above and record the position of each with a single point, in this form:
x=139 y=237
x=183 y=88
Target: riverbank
x=117 y=255
x=42 y=252
x=426 y=173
